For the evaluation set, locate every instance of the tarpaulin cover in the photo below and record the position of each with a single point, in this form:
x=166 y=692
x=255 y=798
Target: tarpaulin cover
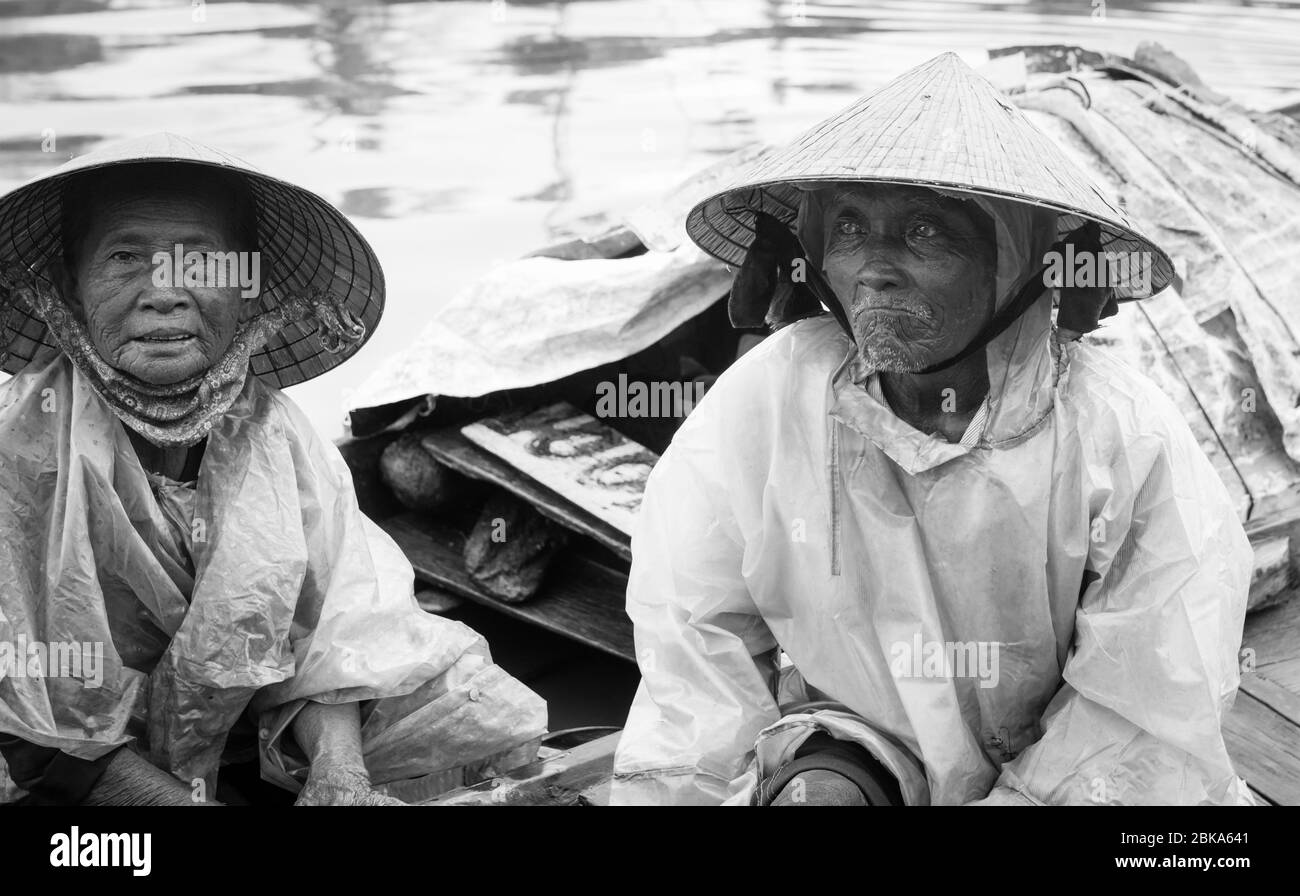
x=539 y=319
x=1217 y=188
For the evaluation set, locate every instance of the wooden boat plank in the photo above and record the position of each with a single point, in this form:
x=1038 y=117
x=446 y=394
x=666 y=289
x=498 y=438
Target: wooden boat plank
x=1265 y=749
x=1272 y=637
x=1274 y=696
x=1260 y=798
x=580 y=599
x=1262 y=731
x=1286 y=674
x=451 y=448
x=1272 y=571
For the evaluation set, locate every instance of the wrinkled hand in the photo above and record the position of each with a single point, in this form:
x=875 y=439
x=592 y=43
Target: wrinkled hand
x=335 y=786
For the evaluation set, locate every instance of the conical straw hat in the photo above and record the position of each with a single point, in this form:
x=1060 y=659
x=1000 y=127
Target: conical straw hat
x=306 y=246
x=942 y=125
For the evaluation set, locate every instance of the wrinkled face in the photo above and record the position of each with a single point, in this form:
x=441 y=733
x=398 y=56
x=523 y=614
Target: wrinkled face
x=160 y=334
x=915 y=271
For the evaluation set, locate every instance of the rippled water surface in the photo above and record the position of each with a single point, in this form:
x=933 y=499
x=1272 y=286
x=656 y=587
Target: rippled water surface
x=458 y=134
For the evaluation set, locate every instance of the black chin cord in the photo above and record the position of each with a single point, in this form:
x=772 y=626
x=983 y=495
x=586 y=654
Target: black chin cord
x=1010 y=313
x=776 y=254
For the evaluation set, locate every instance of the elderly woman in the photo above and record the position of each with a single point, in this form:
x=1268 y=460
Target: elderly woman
x=931 y=549
x=169 y=515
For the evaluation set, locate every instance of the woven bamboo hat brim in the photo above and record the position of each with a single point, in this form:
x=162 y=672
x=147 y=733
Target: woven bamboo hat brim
x=305 y=243
x=940 y=124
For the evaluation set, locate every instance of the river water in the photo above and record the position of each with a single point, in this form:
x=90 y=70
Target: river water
x=461 y=134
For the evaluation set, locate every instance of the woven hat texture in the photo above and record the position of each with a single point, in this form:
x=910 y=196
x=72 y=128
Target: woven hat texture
x=940 y=124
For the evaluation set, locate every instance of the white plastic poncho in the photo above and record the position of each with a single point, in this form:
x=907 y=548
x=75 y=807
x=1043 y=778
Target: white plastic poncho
x=1050 y=615
x=292 y=595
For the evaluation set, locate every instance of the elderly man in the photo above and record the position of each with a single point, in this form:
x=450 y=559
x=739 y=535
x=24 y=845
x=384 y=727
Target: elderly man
x=930 y=549
x=170 y=519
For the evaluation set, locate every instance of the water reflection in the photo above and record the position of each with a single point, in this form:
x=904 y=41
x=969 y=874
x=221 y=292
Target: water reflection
x=47 y=52
x=387 y=202
x=22 y=8
x=354 y=70
x=348 y=49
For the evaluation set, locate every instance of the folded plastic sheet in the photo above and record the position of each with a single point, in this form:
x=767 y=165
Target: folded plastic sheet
x=536 y=320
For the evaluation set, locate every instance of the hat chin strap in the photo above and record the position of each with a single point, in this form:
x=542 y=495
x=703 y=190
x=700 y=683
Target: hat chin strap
x=1010 y=313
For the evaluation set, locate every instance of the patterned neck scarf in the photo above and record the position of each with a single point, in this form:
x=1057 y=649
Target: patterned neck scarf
x=178 y=415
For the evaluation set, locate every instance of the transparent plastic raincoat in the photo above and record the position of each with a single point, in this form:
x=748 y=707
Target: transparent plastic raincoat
x=291 y=595
x=1082 y=544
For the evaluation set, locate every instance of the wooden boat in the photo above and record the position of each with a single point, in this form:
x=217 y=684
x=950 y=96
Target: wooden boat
x=492 y=419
